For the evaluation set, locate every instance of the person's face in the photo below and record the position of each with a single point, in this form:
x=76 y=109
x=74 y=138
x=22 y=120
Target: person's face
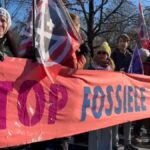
x=101 y=57
x=77 y=26
x=3 y=26
x=123 y=44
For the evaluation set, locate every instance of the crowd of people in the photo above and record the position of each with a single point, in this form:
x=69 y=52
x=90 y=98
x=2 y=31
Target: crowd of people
x=104 y=59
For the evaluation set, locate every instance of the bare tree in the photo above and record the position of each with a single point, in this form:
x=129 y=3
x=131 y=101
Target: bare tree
x=106 y=18
x=19 y=12
x=102 y=18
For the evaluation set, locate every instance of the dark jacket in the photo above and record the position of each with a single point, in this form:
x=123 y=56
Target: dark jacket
x=4 y=49
x=146 y=66
x=122 y=61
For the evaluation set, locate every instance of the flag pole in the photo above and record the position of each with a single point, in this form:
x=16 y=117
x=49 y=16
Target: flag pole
x=33 y=28
x=144 y=29
x=33 y=22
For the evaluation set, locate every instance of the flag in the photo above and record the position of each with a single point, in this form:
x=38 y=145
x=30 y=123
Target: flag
x=136 y=65
x=146 y=44
x=55 y=36
x=143 y=33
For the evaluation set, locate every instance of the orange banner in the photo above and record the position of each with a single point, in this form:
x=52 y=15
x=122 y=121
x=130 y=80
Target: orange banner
x=35 y=107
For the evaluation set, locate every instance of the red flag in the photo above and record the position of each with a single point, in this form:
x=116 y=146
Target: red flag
x=55 y=36
x=146 y=44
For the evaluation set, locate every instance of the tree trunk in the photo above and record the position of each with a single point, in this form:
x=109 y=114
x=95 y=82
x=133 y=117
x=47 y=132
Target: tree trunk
x=90 y=25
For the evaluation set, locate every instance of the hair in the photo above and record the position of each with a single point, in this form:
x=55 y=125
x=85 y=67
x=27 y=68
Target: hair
x=75 y=18
x=76 y=23
x=124 y=37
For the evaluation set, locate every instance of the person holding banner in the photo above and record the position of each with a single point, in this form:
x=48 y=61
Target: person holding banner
x=8 y=46
x=7 y=43
x=146 y=65
x=101 y=139
x=145 y=55
x=78 y=60
x=122 y=58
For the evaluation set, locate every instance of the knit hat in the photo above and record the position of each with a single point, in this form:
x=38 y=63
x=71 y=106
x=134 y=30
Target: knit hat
x=6 y=15
x=104 y=48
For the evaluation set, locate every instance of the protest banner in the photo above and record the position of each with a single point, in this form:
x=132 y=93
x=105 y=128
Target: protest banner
x=35 y=107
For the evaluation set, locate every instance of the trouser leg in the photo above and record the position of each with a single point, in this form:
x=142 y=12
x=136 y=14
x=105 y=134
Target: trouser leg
x=115 y=136
x=127 y=133
x=105 y=139
x=100 y=139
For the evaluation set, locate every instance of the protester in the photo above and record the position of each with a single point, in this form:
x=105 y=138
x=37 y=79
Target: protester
x=7 y=43
x=145 y=55
x=7 y=47
x=5 y=21
x=101 y=139
x=76 y=61
x=121 y=55
x=146 y=122
x=122 y=58
x=79 y=62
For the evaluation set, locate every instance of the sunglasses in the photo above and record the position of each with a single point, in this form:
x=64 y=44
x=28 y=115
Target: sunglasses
x=101 y=53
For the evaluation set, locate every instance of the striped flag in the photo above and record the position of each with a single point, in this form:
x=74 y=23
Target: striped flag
x=136 y=65
x=55 y=36
x=143 y=33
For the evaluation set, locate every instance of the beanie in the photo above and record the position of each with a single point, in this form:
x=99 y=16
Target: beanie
x=6 y=15
x=104 y=48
